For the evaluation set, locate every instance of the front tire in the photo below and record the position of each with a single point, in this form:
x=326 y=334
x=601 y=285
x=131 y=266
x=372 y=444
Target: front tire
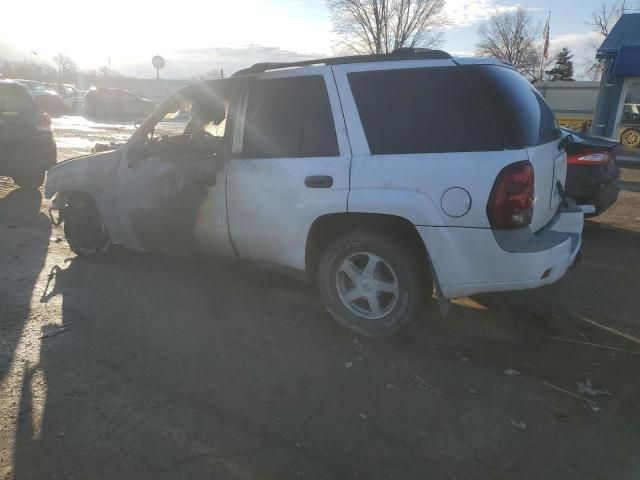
x=373 y=284
x=84 y=230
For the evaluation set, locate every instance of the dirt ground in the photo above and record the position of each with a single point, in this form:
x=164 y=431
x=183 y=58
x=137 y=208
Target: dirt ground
x=147 y=367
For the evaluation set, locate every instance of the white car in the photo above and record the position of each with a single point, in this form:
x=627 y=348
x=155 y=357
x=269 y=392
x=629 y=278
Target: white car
x=380 y=178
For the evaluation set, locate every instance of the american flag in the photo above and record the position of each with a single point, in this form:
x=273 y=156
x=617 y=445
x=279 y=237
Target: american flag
x=545 y=35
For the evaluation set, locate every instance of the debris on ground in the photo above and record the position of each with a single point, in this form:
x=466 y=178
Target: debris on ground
x=348 y=364
x=55 y=331
x=424 y=385
x=362 y=415
x=589 y=390
x=596 y=345
x=473 y=391
x=519 y=425
x=511 y=372
x=594 y=406
x=391 y=386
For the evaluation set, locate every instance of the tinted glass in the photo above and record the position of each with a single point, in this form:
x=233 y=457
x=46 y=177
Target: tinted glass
x=524 y=117
x=289 y=117
x=423 y=110
x=14 y=99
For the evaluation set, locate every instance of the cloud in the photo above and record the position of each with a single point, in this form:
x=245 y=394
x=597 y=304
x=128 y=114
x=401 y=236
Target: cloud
x=188 y=62
x=464 y=13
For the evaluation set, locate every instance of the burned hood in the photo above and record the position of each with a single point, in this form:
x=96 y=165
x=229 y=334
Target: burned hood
x=89 y=173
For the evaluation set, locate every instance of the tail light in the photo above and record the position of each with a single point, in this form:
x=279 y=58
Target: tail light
x=44 y=121
x=599 y=157
x=511 y=200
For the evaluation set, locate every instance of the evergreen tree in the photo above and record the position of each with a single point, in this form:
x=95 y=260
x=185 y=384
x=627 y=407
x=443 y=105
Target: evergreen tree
x=563 y=69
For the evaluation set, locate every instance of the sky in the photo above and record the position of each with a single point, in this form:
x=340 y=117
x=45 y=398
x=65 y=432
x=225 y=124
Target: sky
x=200 y=36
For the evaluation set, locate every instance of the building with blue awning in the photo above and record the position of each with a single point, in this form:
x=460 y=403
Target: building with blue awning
x=617 y=113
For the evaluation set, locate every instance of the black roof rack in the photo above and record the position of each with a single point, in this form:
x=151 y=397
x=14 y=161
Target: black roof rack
x=398 y=54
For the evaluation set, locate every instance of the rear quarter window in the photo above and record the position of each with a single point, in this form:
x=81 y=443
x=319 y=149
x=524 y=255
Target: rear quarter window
x=524 y=117
x=423 y=110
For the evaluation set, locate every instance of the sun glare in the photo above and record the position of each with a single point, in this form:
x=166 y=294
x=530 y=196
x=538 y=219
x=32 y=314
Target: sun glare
x=125 y=31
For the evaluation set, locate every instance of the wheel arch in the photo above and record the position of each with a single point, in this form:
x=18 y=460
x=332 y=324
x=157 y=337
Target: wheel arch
x=327 y=227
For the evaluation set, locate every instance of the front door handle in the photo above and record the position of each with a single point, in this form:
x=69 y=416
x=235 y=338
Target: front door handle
x=319 y=181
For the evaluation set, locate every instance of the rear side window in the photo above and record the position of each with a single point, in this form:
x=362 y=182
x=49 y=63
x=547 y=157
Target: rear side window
x=423 y=110
x=524 y=117
x=289 y=117
x=14 y=99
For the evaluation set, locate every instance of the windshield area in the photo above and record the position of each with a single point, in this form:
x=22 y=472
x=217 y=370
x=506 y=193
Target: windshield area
x=191 y=124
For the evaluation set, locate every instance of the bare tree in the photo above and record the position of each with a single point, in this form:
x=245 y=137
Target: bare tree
x=602 y=21
x=42 y=72
x=605 y=16
x=380 y=26
x=511 y=36
x=67 y=68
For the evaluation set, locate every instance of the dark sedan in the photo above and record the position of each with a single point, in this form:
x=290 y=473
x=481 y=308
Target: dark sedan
x=115 y=104
x=593 y=176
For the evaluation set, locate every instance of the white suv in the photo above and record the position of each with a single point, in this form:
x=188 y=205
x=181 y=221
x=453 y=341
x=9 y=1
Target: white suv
x=380 y=178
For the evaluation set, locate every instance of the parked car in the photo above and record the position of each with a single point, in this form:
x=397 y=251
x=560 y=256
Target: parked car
x=350 y=172
x=48 y=100
x=115 y=103
x=65 y=90
x=593 y=176
x=27 y=148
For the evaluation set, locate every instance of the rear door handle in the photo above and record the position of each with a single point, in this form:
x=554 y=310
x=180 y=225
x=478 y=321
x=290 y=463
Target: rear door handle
x=319 y=181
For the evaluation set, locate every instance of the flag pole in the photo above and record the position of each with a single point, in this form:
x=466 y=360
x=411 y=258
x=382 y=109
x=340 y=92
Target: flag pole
x=545 y=45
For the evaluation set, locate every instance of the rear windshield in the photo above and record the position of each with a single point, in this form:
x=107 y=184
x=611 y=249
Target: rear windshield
x=524 y=117
x=423 y=110
x=15 y=99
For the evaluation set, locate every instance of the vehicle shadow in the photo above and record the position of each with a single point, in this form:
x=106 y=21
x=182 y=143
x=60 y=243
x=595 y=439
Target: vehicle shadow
x=173 y=369
x=19 y=206
x=630 y=186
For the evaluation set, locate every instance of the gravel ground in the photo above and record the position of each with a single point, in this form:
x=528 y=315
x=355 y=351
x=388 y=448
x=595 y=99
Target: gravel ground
x=147 y=367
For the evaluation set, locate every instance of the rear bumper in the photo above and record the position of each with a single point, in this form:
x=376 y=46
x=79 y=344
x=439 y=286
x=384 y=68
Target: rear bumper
x=468 y=261
x=593 y=185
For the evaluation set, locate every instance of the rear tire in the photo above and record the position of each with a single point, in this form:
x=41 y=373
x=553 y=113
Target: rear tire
x=373 y=284
x=84 y=230
x=29 y=180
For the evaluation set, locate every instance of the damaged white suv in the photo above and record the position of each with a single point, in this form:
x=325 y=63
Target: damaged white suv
x=378 y=177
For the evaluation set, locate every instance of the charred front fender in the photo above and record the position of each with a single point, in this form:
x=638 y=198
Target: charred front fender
x=89 y=173
x=94 y=175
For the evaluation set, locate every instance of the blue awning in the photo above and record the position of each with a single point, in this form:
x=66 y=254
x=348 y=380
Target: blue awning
x=627 y=62
x=626 y=32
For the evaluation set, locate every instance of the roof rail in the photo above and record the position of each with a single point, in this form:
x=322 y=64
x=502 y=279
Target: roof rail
x=405 y=53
